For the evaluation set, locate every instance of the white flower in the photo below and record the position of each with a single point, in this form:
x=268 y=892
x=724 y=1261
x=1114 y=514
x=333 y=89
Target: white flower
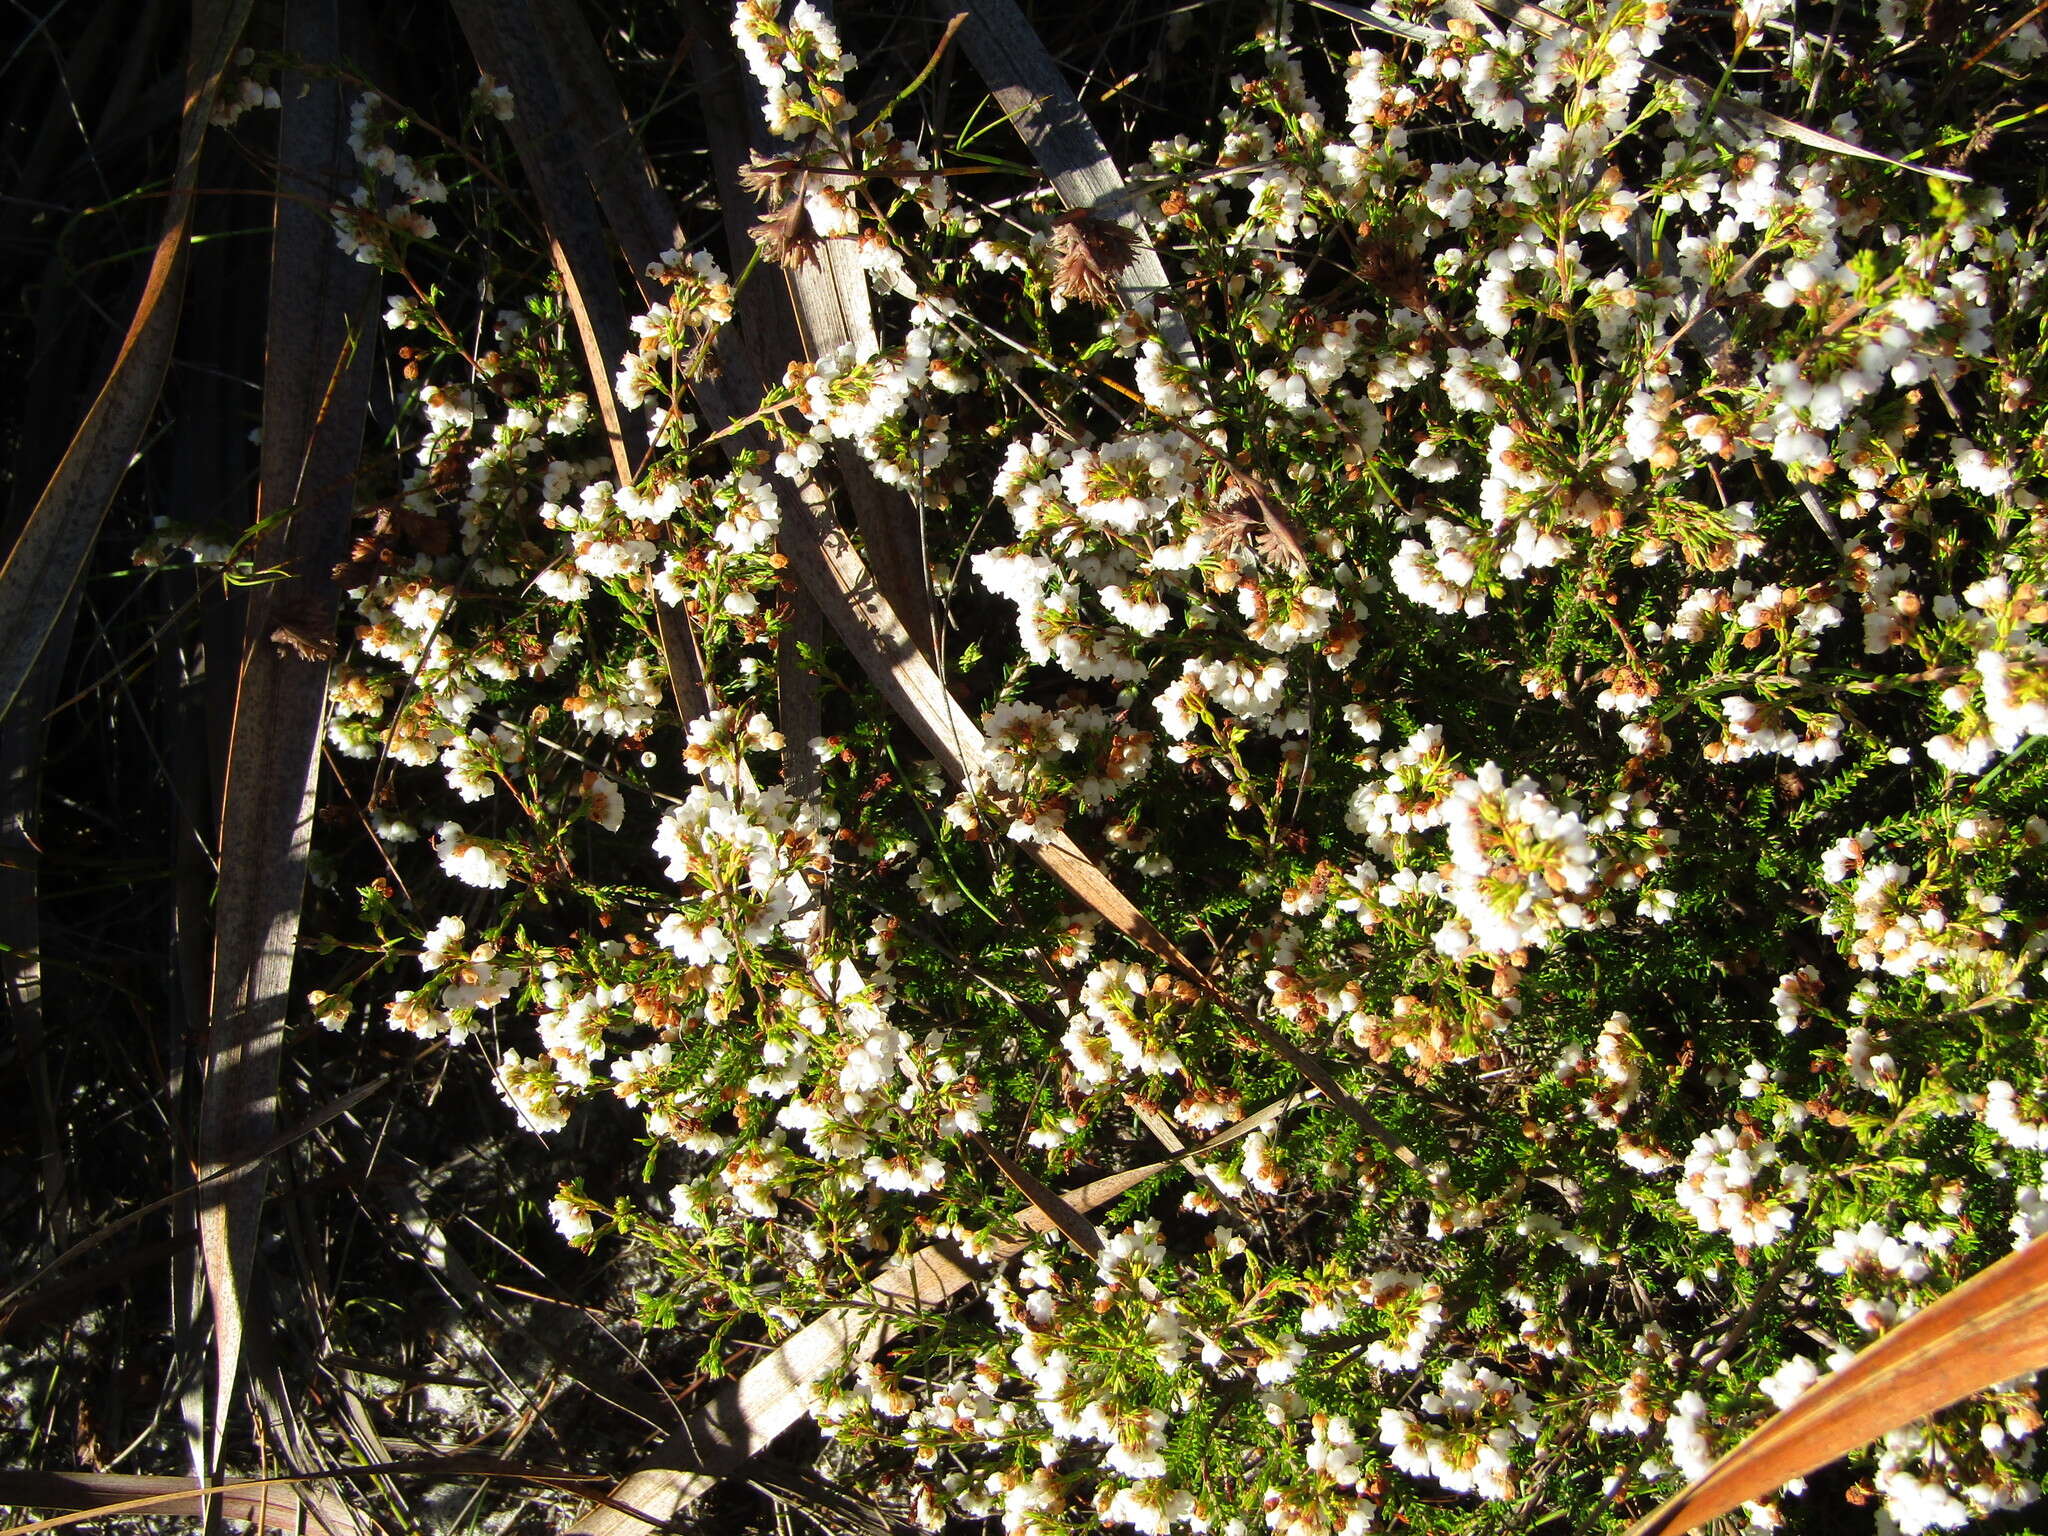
x=607 y=806
x=1324 y=1315
x=443 y=944
x=570 y=1218
x=1789 y=1382
x=1737 y=1182
x=2012 y=1125
x=1977 y=470
x=1520 y=862
x=471 y=860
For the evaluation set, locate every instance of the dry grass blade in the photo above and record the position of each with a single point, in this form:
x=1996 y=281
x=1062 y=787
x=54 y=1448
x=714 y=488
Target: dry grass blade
x=180 y=1495
x=63 y=1303
x=1046 y=1200
x=1380 y=21
x=23 y=742
x=744 y=1416
x=44 y=566
x=509 y=42
x=1990 y=1329
x=1033 y=94
x=288 y=1439
x=829 y=296
x=268 y=1507
x=832 y=1509
x=607 y=147
x=315 y=398
x=1761 y=120
x=127 y=1219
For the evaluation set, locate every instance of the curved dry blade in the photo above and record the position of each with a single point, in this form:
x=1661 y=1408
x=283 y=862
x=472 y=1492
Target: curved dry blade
x=1991 y=1328
x=44 y=566
x=315 y=396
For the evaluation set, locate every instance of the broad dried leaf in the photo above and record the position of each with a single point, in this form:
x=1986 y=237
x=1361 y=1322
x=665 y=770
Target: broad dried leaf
x=509 y=43
x=830 y=298
x=1034 y=95
x=759 y=346
x=1046 y=1200
x=44 y=566
x=1990 y=1329
x=315 y=398
x=607 y=146
x=270 y=1506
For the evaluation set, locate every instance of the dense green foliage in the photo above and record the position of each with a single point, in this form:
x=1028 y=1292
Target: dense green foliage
x=1542 y=609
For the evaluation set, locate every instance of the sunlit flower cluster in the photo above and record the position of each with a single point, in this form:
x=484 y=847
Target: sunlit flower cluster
x=1520 y=612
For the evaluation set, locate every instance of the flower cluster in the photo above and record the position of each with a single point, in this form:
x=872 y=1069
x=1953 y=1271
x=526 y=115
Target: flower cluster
x=1520 y=612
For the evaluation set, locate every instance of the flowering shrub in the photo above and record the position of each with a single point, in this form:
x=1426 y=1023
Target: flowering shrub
x=1542 y=610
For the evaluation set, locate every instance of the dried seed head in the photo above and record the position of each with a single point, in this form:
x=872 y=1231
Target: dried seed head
x=365 y=562
x=1392 y=269
x=290 y=639
x=1093 y=253
x=1278 y=542
x=305 y=628
x=422 y=531
x=787 y=236
x=766 y=178
x=1246 y=514
x=1228 y=525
